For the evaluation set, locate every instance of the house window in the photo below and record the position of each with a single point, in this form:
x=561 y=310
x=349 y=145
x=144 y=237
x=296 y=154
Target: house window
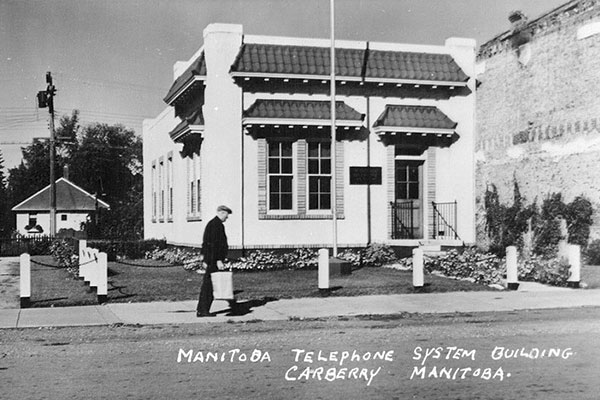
x=32 y=221
x=319 y=176
x=161 y=185
x=153 y=178
x=194 y=187
x=198 y=195
x=407 y=180
x=63 y=217
x=170 y=186
x=280 y=176
x=192 y=197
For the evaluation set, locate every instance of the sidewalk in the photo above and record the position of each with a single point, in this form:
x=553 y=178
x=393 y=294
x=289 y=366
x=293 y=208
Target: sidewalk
x=529 y=296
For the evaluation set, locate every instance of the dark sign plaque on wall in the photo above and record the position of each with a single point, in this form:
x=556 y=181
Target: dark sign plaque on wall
x=365 y=175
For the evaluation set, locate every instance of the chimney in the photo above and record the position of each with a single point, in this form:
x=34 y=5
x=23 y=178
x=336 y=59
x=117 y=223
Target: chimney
x=66 y=172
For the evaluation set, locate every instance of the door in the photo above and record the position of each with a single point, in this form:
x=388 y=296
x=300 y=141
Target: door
x=408 y=217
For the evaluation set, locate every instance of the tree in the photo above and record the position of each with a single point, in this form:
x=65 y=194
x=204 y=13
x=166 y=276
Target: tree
x=108 y=163
x=33 y=174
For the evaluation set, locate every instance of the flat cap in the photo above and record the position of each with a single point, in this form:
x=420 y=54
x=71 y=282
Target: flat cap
x=224 y=208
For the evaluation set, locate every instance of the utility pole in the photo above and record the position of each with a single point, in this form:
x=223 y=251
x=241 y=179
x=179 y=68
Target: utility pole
x=46 y=99
x=333 y=136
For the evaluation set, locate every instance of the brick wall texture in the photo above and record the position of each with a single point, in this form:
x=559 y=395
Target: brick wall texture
x=538 y=111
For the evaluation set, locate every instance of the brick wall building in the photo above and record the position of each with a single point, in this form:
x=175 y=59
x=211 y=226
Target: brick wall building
x=538 y=107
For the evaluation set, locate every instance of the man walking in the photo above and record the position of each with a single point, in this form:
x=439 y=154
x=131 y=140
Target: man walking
x=214 y=250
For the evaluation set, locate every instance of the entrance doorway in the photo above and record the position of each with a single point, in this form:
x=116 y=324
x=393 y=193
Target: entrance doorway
x=407 y=208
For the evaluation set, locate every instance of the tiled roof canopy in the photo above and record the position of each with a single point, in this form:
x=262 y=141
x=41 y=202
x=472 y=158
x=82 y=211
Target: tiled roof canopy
x=409 y=66
x=190 y=124
x=301 y=60
x=69 y=197
x=420 y=126
x=301 y=110
x=297 y=118
x=425 y=117
x=196 y=69
x=265 y=59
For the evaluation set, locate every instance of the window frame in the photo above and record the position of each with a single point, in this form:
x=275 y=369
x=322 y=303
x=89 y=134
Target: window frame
x=318 y=175
x=293 y=175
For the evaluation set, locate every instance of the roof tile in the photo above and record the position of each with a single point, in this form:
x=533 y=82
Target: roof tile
x=304 y=60
x=407 y=65
x=298 y=109
x=414 y=117
x=196 y=68
x=300 y=60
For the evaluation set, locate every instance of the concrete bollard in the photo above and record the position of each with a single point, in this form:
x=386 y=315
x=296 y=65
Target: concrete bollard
x=102 y=276
x=323 y=269
x=82 y=247
x=84 y=263
x=512 y=276
x=574 y=257
x=417 y=261
x=94 y=272
x=25 y=280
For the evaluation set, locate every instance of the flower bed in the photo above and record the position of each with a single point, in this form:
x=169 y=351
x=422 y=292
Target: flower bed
x=264 y=260
x=488 y=269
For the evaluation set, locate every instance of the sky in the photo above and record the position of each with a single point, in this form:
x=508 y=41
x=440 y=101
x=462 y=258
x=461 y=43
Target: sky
x=113 y=59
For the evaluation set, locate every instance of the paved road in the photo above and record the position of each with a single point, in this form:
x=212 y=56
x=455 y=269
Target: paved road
x=269 y=360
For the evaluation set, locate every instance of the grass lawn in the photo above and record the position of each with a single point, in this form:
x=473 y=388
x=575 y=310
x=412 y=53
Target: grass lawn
x=155 y=281
x=590 y=274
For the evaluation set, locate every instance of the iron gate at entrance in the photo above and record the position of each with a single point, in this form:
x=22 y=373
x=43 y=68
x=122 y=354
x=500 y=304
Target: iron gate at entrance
x=443 y=220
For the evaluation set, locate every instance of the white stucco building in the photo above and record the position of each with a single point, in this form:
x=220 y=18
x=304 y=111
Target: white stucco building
x=248 y=125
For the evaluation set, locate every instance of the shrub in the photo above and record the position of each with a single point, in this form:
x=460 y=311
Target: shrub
x=374 y=255
x=579 y=215
x=506 y=224
x=266 y=260
x=542 y=270
x=377 y=254
x=131 y=249
x=486 y=268
x=190 y=259
x=63 y=252
x=483 y=268
x=592 y=253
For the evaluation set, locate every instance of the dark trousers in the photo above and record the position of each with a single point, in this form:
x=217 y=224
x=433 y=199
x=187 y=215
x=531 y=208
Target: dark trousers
x=206 y=290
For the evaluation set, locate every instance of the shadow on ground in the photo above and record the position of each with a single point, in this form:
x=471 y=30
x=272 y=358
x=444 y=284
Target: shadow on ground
x=245 y=307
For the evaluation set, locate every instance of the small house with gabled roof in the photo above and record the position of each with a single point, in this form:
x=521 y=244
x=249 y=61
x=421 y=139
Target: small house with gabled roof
x=248 y=125
x=73 y=207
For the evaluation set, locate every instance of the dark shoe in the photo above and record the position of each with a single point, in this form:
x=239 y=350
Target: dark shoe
x=205 y=314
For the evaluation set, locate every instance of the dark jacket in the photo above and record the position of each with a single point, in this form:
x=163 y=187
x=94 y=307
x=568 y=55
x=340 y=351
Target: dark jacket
x=214 y=242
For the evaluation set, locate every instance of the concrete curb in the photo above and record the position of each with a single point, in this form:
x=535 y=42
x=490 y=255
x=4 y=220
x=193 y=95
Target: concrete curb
x=184 y=312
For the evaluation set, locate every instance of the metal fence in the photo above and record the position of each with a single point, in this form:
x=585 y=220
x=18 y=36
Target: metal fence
x=444 y=220
x=403 y=220
x=34 y=245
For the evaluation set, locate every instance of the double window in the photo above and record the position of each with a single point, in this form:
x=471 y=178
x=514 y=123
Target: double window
x=297 y=179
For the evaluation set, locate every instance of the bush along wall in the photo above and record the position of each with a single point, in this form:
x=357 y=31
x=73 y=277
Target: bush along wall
x=489 y=269
x=264 y=260
x=536 y=230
